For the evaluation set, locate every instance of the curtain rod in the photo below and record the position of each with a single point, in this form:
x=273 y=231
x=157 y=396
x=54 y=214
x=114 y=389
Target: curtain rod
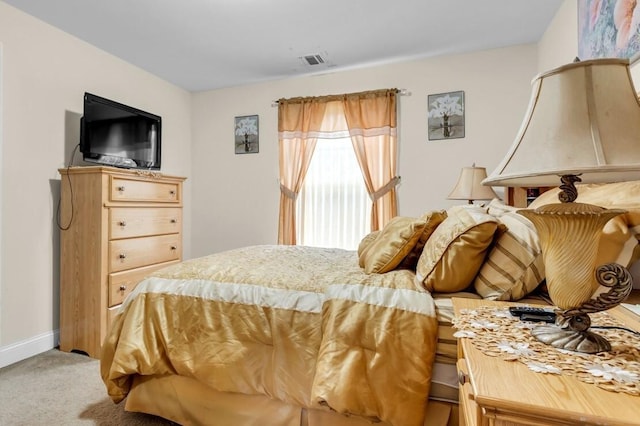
x=401 y=92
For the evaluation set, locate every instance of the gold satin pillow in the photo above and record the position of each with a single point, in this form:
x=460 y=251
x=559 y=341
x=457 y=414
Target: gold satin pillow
x=433 y=219
x=392 y=244
x=455 y=251
x=365 y=243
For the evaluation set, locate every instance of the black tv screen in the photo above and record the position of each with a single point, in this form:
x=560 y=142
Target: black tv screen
x=118 y=135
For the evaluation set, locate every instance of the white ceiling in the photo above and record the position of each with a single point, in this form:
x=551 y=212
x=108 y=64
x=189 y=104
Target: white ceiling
x=209 y=44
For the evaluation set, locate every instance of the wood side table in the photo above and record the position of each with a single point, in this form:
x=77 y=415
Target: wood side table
x=495 y=392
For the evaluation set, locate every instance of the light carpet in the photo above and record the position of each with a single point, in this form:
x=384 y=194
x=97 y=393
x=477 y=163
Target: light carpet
x=59 y=388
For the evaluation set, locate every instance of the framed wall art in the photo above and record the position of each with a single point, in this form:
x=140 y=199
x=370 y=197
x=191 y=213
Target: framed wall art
x=608 y=29
x=247 y=135
x=446 y=116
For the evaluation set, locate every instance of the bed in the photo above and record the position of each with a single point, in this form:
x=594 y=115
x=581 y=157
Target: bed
x=294 y=335
x=302 y=325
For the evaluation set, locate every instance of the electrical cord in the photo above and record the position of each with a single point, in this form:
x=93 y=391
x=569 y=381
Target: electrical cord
x=548 y=300
x=616 y=328
x=66 y=227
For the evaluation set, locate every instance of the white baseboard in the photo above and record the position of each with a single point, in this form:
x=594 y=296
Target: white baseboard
x=27 y=348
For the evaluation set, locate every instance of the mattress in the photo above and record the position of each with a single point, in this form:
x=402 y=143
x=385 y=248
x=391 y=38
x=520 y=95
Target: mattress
x=444 y=381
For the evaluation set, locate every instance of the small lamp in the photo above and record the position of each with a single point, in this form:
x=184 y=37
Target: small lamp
x=582 y=124
x=469 y=186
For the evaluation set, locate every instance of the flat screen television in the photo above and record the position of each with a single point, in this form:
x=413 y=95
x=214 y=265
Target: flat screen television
x=118 y=135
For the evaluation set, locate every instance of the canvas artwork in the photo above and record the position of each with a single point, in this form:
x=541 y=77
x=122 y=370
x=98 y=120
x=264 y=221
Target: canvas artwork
x=247 y=135
x=608 y=29
x=446 y=116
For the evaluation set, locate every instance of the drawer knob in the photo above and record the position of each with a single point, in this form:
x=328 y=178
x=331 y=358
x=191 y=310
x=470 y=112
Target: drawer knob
x=122 y=223
x=174 y=247
x=172 y=192
x=462 y=378
x=122 y=256
x=120 y=188
x=123 y=287
x=174 y=221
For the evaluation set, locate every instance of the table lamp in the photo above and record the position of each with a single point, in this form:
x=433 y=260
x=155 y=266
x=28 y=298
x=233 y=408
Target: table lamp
x=582 y=125
x=469 y=186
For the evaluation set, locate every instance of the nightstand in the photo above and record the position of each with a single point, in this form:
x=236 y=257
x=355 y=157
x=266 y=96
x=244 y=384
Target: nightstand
x=497 y=392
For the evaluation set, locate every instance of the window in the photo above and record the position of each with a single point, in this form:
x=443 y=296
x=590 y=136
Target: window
x=368 y=121
x=333 y=208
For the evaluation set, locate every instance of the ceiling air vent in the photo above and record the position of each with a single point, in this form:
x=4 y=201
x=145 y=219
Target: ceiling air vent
x=314 y=59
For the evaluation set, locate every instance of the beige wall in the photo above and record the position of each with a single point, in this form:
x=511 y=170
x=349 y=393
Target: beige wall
x=559 y=45
x=44 y=75
x=237 y=195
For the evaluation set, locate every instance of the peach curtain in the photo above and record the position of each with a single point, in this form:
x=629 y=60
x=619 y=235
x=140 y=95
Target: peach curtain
x=299 y=120
x=369 y=118
x=372 y=121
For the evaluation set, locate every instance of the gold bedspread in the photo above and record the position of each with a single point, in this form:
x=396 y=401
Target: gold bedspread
x=299 y=324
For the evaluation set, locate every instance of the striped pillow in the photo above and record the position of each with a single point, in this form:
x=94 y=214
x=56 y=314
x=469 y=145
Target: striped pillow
x=514 y=266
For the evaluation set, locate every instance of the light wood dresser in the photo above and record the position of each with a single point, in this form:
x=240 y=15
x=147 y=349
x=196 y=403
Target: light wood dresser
x=495 y=392
x=117 y=226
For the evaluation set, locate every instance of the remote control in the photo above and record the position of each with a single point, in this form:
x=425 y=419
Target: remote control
x=549 y=317
x=519 y=310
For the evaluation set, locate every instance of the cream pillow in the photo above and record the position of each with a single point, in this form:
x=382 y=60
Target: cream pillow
x=392 y=244
x=514 y=266
x=455 y=251
x=433 y=219
x=497 y=208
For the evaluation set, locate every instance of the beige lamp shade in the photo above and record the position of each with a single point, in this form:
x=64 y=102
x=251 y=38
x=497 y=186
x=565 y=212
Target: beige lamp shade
x=583 y=119
x=469 y=186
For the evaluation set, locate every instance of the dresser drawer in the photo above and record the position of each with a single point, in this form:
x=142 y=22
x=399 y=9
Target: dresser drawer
x=123 y=283
x=140 y=222
x=122 y=189
x=136 y=252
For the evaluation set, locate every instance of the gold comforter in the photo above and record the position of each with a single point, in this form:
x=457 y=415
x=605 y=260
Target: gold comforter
x=302 y=325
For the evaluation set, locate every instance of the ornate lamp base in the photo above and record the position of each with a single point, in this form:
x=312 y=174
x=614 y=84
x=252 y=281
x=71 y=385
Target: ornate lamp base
x=569 y=236
x=571 y=331
x=574 y=340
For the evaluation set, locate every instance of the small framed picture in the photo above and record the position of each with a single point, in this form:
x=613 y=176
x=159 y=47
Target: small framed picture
x=247 y=136
x=446 y=116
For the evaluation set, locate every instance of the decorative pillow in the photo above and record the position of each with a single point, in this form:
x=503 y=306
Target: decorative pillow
x=621 y=195
x=514 y=266
x=455 y=251
x=620 y=235
x=497 y=208
x=619 y=239
x=365 y=243
x=392 y=244
x=433 y=219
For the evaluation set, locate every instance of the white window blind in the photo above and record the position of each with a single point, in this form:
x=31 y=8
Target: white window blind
x=333 y=208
